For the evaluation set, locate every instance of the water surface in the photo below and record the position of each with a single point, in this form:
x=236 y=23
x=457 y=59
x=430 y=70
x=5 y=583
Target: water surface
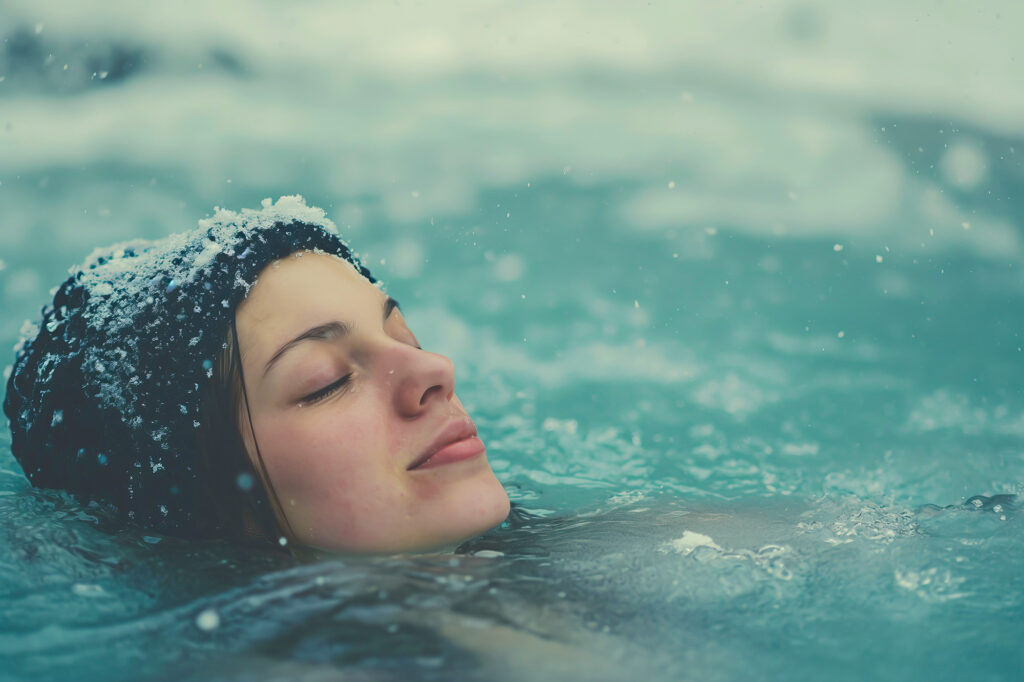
x=743 y=334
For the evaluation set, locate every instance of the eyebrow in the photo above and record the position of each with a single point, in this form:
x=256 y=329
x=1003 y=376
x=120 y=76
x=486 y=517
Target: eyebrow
x=327 y=331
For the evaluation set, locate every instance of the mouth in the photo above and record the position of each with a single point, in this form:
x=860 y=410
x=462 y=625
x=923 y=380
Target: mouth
x=456 y=442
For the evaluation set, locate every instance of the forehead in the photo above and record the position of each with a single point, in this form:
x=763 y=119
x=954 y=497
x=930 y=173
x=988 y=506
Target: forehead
x=300 y=291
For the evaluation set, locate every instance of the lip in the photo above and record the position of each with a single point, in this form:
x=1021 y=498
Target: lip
x=456 y=442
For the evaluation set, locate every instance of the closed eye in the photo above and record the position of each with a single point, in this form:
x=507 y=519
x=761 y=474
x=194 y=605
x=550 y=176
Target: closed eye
x=326 y=391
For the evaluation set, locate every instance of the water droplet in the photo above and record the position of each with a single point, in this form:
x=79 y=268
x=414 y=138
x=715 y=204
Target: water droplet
x=208 y=620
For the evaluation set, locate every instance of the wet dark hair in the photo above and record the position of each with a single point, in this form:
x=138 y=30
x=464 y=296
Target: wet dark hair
x=238 y=501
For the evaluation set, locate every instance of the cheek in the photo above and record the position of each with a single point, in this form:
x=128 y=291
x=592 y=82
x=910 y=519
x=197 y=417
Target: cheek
x=312 y=454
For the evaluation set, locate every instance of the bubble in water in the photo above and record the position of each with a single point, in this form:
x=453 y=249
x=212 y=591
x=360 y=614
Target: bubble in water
x=244 y=481
x=207 y=364
x=208 y=620
x=283 y=541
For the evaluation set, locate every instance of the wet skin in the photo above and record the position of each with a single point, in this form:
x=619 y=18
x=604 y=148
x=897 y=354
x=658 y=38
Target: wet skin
x=363 y=437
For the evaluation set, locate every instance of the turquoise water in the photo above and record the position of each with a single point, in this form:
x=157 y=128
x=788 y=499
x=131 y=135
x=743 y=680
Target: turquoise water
x=734 y=295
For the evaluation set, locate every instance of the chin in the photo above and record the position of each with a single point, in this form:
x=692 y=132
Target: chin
x=486 y=508
x=468 y=509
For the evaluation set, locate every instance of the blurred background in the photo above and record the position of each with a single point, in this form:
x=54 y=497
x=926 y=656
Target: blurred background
x=718 y=251
x=681 y=212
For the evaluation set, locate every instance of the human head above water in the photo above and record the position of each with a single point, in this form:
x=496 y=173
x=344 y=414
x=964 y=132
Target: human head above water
x=249 y=379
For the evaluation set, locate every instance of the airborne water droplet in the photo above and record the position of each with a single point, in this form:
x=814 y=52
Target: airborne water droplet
x=208 y=620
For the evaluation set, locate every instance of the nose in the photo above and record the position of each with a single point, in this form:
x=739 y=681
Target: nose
x=423 y=379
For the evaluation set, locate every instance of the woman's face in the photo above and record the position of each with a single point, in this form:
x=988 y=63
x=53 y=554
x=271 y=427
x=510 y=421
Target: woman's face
x=367 y=446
